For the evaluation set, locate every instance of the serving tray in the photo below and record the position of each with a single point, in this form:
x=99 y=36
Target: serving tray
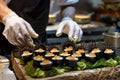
x=106 y=73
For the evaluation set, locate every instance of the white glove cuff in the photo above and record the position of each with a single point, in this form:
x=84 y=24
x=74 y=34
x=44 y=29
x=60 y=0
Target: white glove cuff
x=8 y=16
x=66 y=18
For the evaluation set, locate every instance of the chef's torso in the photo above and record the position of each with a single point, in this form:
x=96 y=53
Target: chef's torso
x=34 y=11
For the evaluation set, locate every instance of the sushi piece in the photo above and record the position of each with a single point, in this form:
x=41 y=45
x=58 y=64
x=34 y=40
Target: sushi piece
x=71 y=61
x=82 y=52
x=49 y=55
x=39 y=51
x=55 y=51
x=91 y=57
x=109 y=53
x=26 y=56
x=46 y=64
x=69 y=49
x=57 y=60
x=77 y=55
x=64 y=54
x=98 y=52
x=37 y=59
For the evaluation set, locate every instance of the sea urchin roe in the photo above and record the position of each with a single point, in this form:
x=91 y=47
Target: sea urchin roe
x=64 y=54
x=56 y=57
x=71 y=58
x=91 y=55
x=39 y=50
x=76 y=55
x=95 y=50
x=54 y=50
x=70 y=48
x=107 y=50
x=49 y=54
x=81 y=51
x=45 y=62
x=38 y=57
x=26 y=53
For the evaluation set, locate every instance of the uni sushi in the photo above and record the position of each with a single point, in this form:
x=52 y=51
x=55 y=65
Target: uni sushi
x=37 y=59
x=46 y=64
x=57 y=60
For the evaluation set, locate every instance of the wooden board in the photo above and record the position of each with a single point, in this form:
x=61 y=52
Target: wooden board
x=107 y=73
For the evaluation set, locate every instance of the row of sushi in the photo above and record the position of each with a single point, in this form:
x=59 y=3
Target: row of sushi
x=54 y=57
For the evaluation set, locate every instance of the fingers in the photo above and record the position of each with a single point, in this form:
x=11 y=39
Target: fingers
x=20 y=40
x=18 y=32
x=19 y=36
x=31 y=31
x=78 y=33
x=60 y=29
x=14 y=36
x=71 y=31
x=29 y=40
x=26 y=36
x=9 y=35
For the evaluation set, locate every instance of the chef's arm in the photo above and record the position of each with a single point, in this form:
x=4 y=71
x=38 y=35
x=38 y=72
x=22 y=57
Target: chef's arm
x=67 y=8
x=21 y=32
x=67 y=24
x=4 y=10
x=67 y=11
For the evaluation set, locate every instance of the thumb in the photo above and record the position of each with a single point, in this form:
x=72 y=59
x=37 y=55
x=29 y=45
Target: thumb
x=31 y=31
x=60 y=29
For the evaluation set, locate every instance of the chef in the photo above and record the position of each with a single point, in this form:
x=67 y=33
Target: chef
x=23 y=21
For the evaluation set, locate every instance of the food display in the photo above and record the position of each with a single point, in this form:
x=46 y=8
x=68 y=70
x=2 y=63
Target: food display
x=56 y=61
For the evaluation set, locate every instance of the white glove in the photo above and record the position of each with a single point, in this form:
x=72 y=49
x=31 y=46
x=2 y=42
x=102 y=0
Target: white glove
x=17 y=31
x=71 y=28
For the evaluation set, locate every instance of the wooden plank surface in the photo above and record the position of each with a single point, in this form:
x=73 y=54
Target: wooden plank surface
x=108 y=73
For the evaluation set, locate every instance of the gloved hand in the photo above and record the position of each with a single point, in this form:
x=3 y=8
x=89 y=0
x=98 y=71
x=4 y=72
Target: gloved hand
x=17 y=31
x=71 y=28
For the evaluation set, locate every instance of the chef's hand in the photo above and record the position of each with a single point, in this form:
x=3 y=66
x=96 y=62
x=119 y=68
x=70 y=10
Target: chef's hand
x=71 y=28
x=17 y=31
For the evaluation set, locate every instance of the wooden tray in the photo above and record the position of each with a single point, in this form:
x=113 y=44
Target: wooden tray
x=107 y=73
